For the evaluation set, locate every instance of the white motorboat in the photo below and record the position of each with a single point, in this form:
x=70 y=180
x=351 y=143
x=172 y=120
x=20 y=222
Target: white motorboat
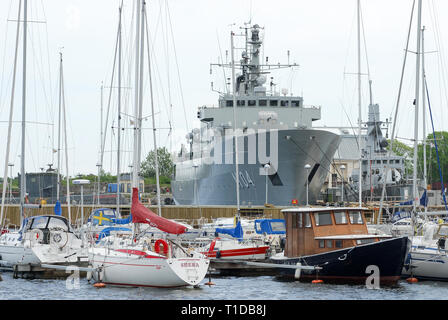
x=46 y=239
x=428 y=258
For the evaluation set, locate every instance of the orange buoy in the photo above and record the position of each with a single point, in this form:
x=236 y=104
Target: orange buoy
x=412 y=280
x=317 y=281
x=99 y=285
x=209 y=283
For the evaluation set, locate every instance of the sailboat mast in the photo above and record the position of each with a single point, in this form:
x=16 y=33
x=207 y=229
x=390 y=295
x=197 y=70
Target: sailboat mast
x=119 y=113
x=58 y=184
x=425 y=173
x=11 y=110
x=66 y=146
x=22 y=153
x=135 y=178
x=154 y=130
x=417 y=98
x=359 y=103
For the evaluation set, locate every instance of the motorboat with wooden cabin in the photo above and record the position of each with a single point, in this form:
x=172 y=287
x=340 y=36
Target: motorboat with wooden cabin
x=336 y=241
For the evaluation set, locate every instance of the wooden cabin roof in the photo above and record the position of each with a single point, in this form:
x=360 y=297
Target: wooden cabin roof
x=319 y=209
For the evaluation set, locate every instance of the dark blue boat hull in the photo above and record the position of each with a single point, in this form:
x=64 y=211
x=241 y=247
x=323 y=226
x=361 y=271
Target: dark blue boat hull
x=350 y=265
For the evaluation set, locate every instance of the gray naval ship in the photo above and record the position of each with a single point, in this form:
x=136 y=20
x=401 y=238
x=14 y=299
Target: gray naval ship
x=280 y=155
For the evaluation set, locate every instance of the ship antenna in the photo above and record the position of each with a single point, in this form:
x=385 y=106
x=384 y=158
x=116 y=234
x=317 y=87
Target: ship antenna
x=234 y=127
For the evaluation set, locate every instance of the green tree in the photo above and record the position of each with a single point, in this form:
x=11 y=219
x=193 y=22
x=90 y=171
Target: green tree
x=166 y=166
x=403 y=150
x=431 y=157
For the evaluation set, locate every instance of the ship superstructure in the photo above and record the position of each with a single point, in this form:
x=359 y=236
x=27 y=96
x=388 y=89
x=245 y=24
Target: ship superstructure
x=278 y=150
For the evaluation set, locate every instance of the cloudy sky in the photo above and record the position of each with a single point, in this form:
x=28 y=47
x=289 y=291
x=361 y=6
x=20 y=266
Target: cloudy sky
x=185 y=37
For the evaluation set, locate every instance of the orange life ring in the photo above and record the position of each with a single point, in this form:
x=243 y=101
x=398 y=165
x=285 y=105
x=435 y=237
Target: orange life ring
x=163 y=243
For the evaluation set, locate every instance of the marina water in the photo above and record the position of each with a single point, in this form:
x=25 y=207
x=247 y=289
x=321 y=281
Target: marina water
x=224 y=288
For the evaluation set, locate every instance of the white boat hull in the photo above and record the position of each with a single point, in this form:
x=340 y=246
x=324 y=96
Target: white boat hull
x=428 y=264
x=146 y=269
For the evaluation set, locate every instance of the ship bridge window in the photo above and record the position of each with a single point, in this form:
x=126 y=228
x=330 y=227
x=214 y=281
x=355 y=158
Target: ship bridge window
x=229 y=103
x=262 y=103
x=284 y=103
x=295 y=103
x=241 y=103
x=340 y=217
x=273 y=103
x=323 y=218
x=355 y=217
x=251 y=103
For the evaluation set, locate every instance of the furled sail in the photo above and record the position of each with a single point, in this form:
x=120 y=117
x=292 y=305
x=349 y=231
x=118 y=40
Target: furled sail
x=141 y=214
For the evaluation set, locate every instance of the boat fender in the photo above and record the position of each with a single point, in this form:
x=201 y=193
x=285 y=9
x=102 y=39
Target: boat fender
x=89 y=274
x=163 y=243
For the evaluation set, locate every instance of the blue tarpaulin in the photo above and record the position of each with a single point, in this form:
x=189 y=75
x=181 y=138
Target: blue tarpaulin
x=236 y=232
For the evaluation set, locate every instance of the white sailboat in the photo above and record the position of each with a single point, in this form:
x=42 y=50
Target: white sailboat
x=428 y=258
x=41 y=240
x=136 y=259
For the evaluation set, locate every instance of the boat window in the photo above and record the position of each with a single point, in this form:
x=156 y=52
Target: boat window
x=443 y=231
x=39 y=223
x=323 y=218
x=355 y=217
x=365 y=241
x=321 y=243
x=262 y=103
x=229 y=103
x=338 y=243
x=273 y=103
x=241 y=103
x=307 y=220
x=251 y=103
x=340 y=217
x=284 y=103
x=57 y=223
x=295 y=103
x=329 y=243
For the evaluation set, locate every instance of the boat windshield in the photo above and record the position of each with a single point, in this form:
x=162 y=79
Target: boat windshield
x=443 y=231
x=56 y=223
x=355 y=217
x=39 y=223
x=278 y=226
x=323 y=218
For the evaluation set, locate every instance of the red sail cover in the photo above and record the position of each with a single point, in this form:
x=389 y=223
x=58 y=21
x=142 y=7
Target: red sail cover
x=141 y=214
